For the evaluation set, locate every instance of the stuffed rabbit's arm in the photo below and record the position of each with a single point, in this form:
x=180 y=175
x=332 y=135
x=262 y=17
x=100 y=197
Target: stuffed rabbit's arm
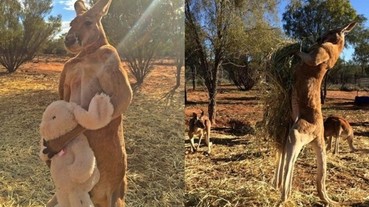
x=99 y=113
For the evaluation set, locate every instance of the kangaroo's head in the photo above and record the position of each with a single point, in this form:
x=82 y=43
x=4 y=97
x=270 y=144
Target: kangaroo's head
x=196 y=122
x=86 y=29
x=336 y=36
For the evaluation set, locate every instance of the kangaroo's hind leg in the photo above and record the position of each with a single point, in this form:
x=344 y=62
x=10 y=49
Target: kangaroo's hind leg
x=207 y=141
x=329 y=143
x=351 y=145
x=336 y=146
x=192 y=140
x=318 y=146
x=200 y=138
x=293 y=146
x=277 y=181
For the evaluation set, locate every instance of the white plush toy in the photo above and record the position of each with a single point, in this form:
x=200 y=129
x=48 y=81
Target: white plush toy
x=74 y=169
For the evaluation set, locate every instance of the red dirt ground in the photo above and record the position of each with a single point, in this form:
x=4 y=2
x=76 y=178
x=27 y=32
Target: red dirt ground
x=162 y=77
x=246 y=106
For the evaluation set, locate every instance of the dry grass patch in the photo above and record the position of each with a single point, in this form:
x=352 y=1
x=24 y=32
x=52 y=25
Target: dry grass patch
x=155 y=150
x=240 y=170
x=24 y=179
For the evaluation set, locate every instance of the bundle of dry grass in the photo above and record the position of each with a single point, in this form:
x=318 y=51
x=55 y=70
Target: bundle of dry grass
x=277 y=98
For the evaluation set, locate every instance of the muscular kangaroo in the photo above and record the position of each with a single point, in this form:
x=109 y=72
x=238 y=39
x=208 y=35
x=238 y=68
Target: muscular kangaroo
x=97 y=68
x=306 y=111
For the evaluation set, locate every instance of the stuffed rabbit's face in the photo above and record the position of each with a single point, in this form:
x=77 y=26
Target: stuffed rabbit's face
x=57 y=120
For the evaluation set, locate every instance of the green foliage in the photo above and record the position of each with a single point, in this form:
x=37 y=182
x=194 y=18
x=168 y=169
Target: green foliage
x=307 y=20
x=245 y=59
x=24 y=30
x=242 y=76
x=229 y=32
x=277 y=98
x=361 y=54
x=55 y=46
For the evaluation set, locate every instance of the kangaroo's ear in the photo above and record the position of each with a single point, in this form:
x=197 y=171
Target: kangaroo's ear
x=202 y=113
x=100 y=9
x=194 y=115
x=348 y=28
x=80 y=7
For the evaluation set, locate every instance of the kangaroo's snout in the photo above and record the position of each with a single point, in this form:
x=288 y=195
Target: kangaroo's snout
x=71 y=40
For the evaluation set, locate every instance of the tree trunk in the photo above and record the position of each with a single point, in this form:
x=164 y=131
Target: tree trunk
x=193 y=78
x=212 y=105
x=185 y=94
x=220 y=78
x=342 y=81
x=212 y=88
x=323 y=91
x=178 y=77
x=179 y=67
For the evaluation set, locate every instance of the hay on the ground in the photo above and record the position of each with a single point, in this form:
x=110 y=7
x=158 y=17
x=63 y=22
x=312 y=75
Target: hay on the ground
x=277 y=96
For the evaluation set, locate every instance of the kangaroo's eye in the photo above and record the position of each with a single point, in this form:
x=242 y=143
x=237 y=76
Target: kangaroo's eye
x=88 y=23
x=54 y=117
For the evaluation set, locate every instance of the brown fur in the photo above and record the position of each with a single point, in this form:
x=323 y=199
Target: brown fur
x=335 y=126
x=200 y=126
x=306 y=111
x=97 y=68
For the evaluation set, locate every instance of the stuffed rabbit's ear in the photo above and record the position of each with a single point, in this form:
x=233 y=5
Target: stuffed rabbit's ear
x=80 y=7
x=348 y=28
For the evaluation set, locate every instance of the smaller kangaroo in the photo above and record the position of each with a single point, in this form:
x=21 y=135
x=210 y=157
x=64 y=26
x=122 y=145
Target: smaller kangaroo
x=200 y=126
x=335 y=126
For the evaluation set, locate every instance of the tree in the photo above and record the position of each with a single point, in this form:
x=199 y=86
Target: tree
x=139 y=29
x=55 y=46
x=244 y=66
x=307 y=20
x=216 y=31
x=192 y=52
x=23 y=30
x=177 y=37
x=361 y=54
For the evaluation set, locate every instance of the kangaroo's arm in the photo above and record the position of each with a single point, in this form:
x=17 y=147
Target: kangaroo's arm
x=56 y=145
x=114 y=81
x=315 y=57
x=64 y=90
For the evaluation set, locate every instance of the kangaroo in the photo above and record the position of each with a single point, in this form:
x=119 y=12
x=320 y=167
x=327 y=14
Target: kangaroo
x=200 y=126
x=306 y=111
x=96 y=68
x=335 y=126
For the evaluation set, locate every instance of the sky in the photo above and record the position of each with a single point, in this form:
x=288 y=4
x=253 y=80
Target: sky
x=65 y=8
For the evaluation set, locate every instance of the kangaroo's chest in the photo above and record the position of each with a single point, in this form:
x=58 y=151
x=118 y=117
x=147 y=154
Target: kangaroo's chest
x=83 y=82
x=199 y=131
